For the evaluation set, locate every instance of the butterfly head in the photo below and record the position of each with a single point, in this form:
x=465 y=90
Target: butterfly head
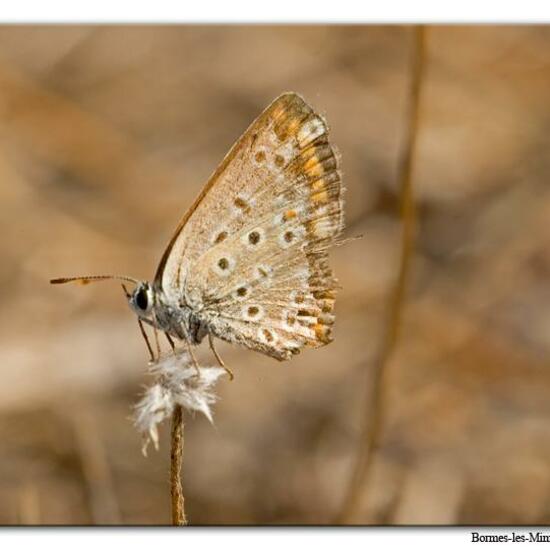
x=142 y=299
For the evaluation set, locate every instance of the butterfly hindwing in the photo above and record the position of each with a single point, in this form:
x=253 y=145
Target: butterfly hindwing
x=251 y=257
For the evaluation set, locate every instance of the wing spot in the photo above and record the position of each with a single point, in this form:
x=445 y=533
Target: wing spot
x=263 y=271
x=252 y=313
x=242 y=291
x=290 y=319
x=279 y=161
x=254 y=237
x=241 y=203
x=266 y=335
x=224 y=266
x=259 y=157
x=222 y=235
x=282 y=135
x=288 y=238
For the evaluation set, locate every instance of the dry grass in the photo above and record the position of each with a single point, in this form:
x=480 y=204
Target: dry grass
x=176 y=461
x=373 y=416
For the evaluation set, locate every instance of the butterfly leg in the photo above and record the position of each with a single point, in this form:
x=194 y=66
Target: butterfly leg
x=194 y=359
x=141 y=328
x=155 y=332
x=218 y=358
x=157 y=343
x=144 y=334
x=173 y=346
x=171 y=342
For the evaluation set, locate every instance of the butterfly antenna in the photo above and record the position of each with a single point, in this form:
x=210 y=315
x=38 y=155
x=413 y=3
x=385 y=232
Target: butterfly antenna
x=92 y=279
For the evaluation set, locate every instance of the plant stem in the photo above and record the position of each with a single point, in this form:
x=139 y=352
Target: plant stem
x=176 y=459
x=373 y=419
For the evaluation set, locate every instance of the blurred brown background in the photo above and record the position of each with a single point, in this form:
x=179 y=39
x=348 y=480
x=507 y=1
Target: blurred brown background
x=108 y=133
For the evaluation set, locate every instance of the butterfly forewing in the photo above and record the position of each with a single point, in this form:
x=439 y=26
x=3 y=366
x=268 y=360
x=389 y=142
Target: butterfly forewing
x=251 y=257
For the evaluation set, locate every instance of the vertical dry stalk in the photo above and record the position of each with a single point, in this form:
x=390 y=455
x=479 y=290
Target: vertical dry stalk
x=176 y=458
x=373 y=419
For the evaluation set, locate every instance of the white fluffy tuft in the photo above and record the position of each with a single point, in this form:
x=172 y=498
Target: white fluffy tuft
x=177 y=382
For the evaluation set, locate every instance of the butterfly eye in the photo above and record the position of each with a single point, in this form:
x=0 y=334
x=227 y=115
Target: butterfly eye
x=141 y=299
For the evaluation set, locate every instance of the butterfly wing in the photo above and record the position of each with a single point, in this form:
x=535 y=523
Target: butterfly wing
x=250 y=258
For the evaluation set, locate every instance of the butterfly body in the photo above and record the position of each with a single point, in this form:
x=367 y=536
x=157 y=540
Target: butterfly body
x=248 y=263
x=177 y=320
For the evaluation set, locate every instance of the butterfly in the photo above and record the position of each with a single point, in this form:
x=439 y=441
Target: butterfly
x=248 y=263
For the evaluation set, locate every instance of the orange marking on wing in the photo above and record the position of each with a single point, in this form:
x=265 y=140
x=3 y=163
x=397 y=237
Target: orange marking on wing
x=289 y=215
x=310 y=163
x=322 y=333
x=278 y=111
x=292 y=127
x=312 y=168
x=318 y=185
x=320 y=197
